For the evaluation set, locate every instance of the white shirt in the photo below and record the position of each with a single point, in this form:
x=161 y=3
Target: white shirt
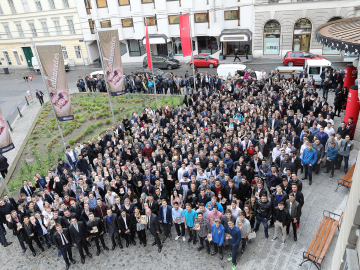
x=124 y=218
x=42 y=226
x=290 y=208
x=111 y=198
x=40 y=203
x=63 y=239
x=71 y=154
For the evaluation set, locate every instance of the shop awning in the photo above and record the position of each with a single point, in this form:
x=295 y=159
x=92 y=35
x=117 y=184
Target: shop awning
x=235 y=35
x=156 y=39
x=340 y=35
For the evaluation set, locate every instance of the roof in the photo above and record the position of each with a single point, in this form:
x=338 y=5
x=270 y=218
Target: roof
x=340 y=34
x=232 y=66
x=320 y=62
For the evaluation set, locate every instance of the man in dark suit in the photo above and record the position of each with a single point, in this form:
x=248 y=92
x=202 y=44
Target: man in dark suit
x=112 y=227
x=26 y=189
x=86 y=212
x=165 y=218
x=154 y=228
x=294 y=139
x=96 y=229
x=153 y=205
x=79 y=236
x=299 y=197
x=126 y=228
x=273 y=122
x=62 y=241
x=294 y=209
x=10 y=200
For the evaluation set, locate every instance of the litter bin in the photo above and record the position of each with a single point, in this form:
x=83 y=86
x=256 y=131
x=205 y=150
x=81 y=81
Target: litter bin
x=6 y=70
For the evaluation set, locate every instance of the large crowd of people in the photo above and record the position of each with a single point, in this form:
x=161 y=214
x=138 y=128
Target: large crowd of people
x=215 y=167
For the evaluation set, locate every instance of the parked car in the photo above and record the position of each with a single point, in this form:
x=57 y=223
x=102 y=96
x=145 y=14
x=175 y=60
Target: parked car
x=157 y=72
x=298 y=58
x=36 y=66
x=240 y=69
x=162 y=61
x=204 y=60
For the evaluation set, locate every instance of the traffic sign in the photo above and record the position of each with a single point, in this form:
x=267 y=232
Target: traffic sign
x=30 y=77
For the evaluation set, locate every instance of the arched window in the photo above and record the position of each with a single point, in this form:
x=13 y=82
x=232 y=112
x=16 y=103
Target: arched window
x=302 y=35
x=272 y=31
x=327 y=50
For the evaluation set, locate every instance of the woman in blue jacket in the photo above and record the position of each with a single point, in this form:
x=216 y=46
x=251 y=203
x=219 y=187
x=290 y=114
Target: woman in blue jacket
x=308 y=160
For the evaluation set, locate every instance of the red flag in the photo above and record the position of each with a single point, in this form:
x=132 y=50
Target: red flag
x=185 y=34
x=148 y=52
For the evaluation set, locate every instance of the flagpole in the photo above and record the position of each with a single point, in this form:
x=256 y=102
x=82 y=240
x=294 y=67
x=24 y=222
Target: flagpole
x=102 y=65
x=192 y=54
x=42 y=75
x=152 y=66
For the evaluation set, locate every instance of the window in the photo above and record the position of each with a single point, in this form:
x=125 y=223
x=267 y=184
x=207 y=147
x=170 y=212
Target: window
x=147 y=1
x=38 y=5
x=105 y=24
x=314 y=70
x=91 y=25
x=178 y=48
x=0 y=63
x=201 y=17
x=1 y=11
x=207 y=45
x=64 y=52
x=7 y=58
x=51 y=4
x=136 y=48
x=151 y=21
x=17 y=58
x=66 y=3
x=7 y=31
x=272 y=30
x=45 y=28
x=20 y=30
x=25 y=5
x=123 y=48
x=124 y=2
x=33 y=29
x=77 y=52
x=12 y=6
x=174 y=19
x=88 y=6
x=71 y=26
x=101 y=3
x=57 y=28
x=127 y=22
x=231 y=15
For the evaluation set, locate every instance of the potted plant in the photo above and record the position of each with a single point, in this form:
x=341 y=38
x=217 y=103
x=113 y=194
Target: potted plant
x=221 y=56
x=249 y=55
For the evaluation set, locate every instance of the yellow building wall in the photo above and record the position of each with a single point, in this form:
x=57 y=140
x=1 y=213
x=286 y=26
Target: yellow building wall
x=69 y=44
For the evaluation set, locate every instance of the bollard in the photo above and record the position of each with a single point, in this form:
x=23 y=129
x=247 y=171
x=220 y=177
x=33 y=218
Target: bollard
x=9 y=126
x=19 y=111
x=27 y=101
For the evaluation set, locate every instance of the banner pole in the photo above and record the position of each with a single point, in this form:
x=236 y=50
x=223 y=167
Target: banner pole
x=6 y=187
x=192 y=53
x=104 y=74
x=42 y=75
x=152 y=70
x=148 y=51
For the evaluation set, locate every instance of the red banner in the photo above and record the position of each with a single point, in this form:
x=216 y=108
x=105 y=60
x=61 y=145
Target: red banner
x=185 y=34
x=148 y=52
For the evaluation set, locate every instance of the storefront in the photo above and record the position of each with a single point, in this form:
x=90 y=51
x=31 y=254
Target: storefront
x=207 y=45
x=272 y=31
x=240 y=39
x=302 y=35
x=159 y=44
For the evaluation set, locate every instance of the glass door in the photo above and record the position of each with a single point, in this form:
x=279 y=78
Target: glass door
x=305 y=43
x=297 y=43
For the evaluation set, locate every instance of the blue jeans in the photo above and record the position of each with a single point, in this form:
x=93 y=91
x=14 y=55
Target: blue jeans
x=308 y=170
x=234 y=250
x=151 y=89
x=171 y=90
x=73 y=165
x=325 y=94
x=47 y=237
x=339 y=161
x=265 y=223
x=321 y=84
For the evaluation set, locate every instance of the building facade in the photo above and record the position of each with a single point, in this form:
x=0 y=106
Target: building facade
x=44 y=21
x=289 y=25
x=216 y=25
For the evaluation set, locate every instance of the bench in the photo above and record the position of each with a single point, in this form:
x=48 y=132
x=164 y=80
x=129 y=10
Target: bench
x=322 y=239
x=346 y=181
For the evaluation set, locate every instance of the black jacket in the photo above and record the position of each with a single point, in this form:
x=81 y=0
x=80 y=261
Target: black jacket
x=5 y=210
x=114 y=226
x=31 y=190
x=285 y=218
x=3 y=163
x=244 y=191
x=299 y=197
x=263 y=210
x=122 y=223
x=57 y=238
x=84 y=216
x=96 y=223
x=154 y=224
x=78 y=236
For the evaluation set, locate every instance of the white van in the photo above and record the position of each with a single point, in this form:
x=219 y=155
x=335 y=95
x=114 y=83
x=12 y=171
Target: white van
x=224 y=70
x=36 y=66
x=316 y=67
x=312 y=66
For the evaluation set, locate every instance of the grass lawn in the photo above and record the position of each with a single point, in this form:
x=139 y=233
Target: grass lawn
x=92 y=117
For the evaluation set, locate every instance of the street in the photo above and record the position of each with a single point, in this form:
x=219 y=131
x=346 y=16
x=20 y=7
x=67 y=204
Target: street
x=14 y=87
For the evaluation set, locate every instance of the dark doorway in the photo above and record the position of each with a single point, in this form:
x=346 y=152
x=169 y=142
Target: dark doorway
x=162 y=49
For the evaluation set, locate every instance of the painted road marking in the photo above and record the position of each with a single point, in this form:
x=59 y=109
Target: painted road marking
x=19 y=101
x=12 y=111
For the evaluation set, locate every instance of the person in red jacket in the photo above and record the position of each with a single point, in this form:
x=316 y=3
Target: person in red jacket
x=146 y=152
x=350 y=125
x=100 y=209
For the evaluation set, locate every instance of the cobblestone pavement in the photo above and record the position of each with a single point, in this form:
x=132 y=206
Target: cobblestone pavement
x=260 y=253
